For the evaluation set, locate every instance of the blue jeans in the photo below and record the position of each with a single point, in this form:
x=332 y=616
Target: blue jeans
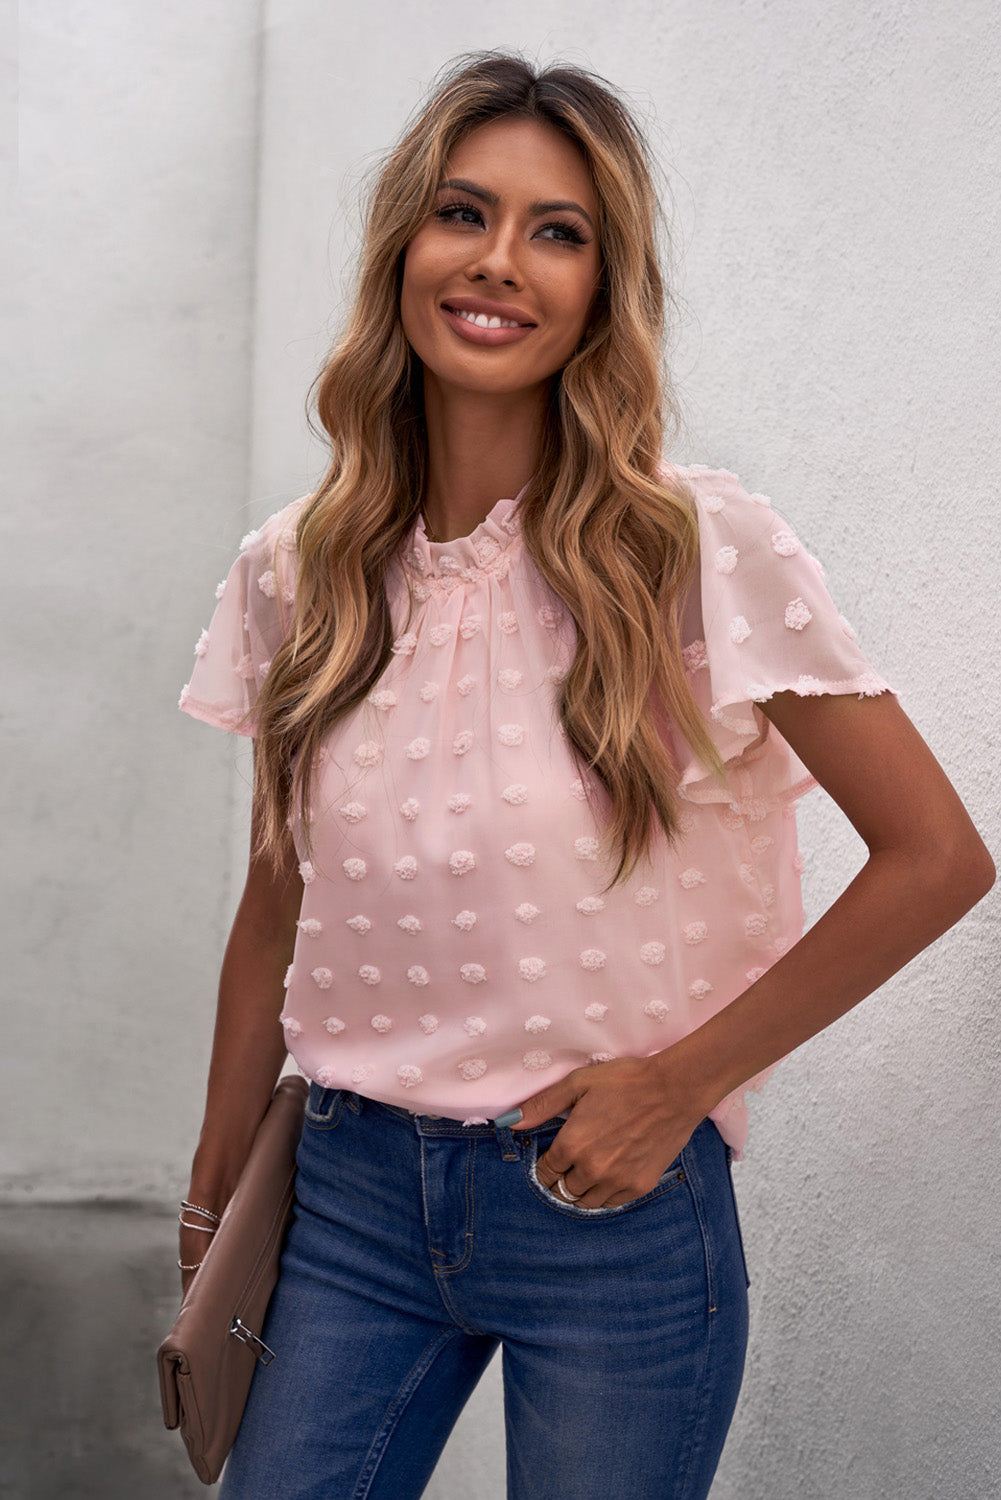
x=419 y=1244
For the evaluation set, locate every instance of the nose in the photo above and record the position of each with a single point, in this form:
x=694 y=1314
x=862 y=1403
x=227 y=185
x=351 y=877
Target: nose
x=496 y=260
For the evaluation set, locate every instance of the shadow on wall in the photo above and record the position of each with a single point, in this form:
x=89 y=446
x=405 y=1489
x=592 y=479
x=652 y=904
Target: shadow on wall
x=88 y=1290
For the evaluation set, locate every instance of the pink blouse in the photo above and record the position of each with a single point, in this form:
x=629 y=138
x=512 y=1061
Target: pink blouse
x=454 y=951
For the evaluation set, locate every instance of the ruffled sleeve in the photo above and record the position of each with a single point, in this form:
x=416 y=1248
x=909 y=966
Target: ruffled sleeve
x=250 y=621
x=760 y=622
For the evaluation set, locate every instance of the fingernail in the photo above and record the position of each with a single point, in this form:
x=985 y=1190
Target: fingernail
x=509 y=1117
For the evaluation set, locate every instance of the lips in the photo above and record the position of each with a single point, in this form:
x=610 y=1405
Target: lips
x=477 y=305
x=488 y=338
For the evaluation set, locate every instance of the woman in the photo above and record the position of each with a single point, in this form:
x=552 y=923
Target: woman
x=531 y=710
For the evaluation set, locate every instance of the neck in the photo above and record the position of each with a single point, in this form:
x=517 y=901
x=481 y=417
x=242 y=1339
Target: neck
x=481 y=446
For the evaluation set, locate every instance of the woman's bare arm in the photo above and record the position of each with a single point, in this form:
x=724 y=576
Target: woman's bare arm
x=248 y=1048
x=927 y=866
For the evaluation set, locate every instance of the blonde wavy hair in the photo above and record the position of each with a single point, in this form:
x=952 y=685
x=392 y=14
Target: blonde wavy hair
x=610 y=529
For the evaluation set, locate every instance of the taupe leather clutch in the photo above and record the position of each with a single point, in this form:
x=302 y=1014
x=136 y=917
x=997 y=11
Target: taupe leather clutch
x=208 y=1358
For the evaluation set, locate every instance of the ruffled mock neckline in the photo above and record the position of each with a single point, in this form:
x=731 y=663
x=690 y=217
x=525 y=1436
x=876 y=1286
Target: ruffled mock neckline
x=485 y=550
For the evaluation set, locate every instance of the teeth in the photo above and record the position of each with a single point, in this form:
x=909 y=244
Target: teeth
x=482 y=321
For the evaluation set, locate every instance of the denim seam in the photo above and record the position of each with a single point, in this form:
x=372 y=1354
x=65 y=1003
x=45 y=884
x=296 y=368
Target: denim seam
x=696 y=1431
x=381 y=1440
x=695 y=1187
x=736 y=1218
x=467 y=1233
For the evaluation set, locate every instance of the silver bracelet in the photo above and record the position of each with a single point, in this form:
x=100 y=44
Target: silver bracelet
x=207 y=1212
x=198 y=1228
x=182 y=1267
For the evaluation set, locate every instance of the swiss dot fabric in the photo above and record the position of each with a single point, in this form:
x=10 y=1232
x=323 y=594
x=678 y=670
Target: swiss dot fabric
x=455 y=950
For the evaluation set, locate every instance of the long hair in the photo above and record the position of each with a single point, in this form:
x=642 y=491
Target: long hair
x=609 y=527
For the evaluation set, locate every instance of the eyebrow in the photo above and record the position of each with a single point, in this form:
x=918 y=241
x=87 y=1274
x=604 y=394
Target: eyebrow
x=556 y=205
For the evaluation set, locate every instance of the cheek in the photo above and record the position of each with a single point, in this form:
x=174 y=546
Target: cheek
x=575 y=307
x=413 y=292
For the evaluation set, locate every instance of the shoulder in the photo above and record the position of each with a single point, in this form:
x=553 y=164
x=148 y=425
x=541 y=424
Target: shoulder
x=269 y=556
x=277 y=533
x=728 y=512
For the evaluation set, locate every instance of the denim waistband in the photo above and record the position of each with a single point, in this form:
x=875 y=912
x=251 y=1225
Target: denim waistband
x=444 y=1124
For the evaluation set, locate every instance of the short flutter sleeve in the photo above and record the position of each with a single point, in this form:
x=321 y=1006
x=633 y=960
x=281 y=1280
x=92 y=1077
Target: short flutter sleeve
x=250 y=621
x=760 y=621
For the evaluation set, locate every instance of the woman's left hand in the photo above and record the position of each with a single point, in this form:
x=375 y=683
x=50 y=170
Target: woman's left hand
x=628 y=1121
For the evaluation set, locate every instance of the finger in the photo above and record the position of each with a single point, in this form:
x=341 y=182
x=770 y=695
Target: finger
x=547 y=1171
x=549 y=1176
x=549 y=1102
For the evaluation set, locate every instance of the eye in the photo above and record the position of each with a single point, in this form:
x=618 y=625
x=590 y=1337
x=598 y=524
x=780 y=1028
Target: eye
x=564 y=227
x=449 y=214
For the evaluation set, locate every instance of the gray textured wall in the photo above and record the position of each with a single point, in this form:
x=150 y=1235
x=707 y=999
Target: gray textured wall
x=187 y=205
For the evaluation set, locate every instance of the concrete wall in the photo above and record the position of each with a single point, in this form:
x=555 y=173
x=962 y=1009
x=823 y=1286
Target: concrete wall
x=188 y=188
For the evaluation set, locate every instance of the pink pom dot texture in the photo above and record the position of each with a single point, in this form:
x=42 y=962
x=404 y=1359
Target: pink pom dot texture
x=520 y=854
x=531 y=968
x=797 y=615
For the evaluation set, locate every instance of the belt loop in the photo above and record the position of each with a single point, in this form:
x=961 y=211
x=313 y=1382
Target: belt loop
x=507 y=1142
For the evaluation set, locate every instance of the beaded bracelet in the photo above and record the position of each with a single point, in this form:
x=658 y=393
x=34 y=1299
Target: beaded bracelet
x=182 y=1267
x=206 y=1212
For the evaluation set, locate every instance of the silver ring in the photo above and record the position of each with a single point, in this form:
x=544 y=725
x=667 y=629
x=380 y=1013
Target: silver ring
x=566 y=1191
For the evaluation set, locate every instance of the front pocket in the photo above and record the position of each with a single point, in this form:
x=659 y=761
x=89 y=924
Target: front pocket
x=323 y=1107
x=674 y=1175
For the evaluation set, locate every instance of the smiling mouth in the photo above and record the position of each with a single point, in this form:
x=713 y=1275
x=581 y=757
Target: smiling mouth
x=481 y=320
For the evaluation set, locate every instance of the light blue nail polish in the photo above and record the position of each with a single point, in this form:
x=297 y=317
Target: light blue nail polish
x=509 y=1117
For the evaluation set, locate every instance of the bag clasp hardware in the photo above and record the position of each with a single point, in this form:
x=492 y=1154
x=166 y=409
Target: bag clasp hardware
x=248 y=1336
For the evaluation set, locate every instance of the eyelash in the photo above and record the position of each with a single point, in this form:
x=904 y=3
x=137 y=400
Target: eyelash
x=575 y=237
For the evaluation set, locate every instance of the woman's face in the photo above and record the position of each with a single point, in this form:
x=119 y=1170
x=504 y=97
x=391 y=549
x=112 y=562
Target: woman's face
x=513 y=233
